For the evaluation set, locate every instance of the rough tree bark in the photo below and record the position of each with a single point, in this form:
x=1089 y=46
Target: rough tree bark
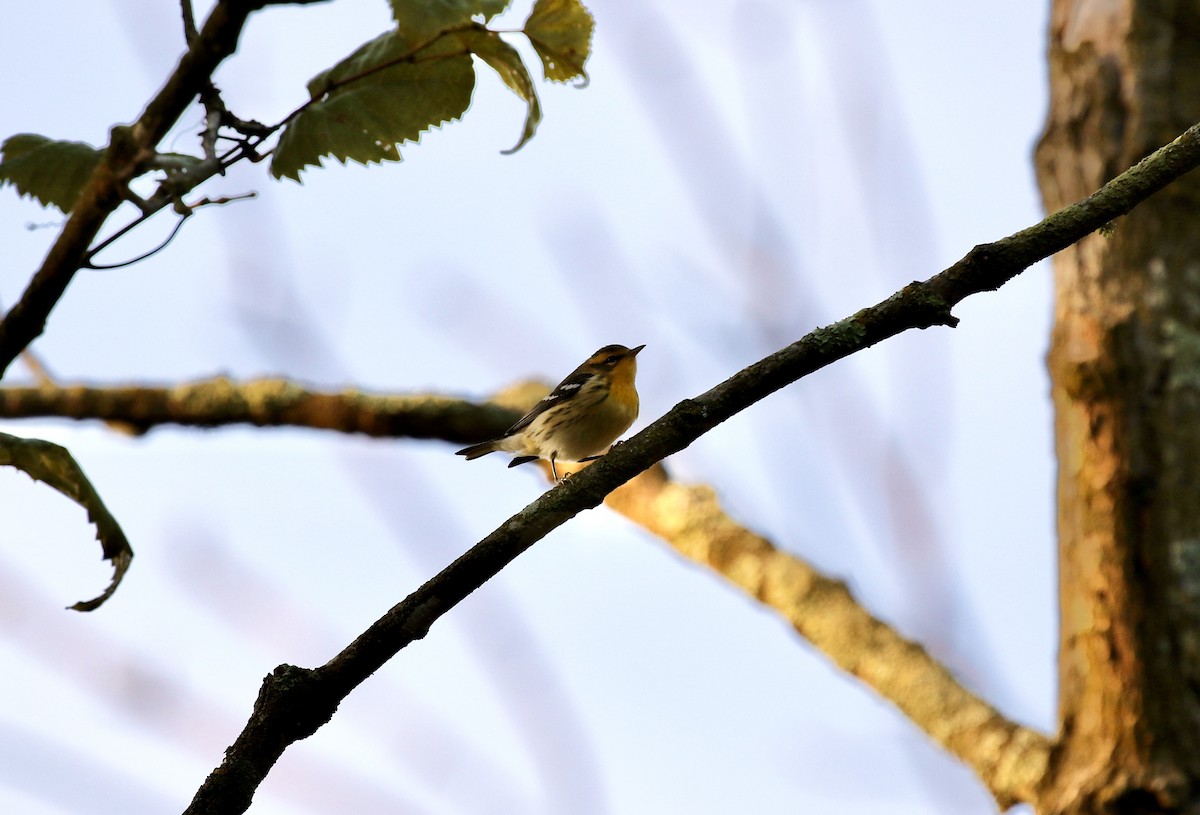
x=1125 y=367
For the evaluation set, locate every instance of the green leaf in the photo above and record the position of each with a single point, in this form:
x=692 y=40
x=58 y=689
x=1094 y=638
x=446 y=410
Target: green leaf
x=561 y=33
x=422 y=20
x=177 y=162
x=505 y=61
x=381 y=95
x=51 y=171
x=49 y=463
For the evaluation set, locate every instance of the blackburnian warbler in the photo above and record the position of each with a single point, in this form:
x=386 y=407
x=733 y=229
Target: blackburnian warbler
x=580 y=418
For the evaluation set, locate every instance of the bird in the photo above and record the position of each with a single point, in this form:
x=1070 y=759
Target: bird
x=578 y=420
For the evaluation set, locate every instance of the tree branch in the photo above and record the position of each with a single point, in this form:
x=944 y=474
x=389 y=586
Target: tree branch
x=1008 y=758
x=130 y=148
x=266 y=403
x=295 y=702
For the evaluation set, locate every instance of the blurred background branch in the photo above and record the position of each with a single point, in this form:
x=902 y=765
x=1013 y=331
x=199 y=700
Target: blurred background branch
x=274 y=402
x=1007 y=757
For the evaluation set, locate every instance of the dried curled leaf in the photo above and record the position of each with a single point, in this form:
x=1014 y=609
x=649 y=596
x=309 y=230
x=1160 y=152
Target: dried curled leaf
x=561 y=33
x=420 y=76
x=54 y=465
x=505 y=61
x=53 y=172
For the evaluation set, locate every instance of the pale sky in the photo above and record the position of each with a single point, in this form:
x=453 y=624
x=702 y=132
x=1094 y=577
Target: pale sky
x=733 y=177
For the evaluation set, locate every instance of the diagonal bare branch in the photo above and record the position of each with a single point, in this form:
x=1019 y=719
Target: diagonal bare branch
x=294 y=702
x=1008 y=757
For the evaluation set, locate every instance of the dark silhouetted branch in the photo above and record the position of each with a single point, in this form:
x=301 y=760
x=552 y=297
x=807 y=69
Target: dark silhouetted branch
x=294 y=702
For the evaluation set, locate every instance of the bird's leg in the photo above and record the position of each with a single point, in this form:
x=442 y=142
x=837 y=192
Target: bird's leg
x=554 y=470
x=615 y=444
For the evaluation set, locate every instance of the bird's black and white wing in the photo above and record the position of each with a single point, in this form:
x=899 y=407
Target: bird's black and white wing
x=566 y=389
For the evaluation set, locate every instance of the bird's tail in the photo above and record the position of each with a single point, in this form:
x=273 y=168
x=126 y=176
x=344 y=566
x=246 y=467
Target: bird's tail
x=477 y=450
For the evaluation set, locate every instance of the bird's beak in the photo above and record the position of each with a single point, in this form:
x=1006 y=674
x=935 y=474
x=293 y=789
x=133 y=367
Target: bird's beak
x=633 y=352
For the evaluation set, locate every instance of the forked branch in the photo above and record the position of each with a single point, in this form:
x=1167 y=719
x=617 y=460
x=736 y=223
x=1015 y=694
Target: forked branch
x=130 y=150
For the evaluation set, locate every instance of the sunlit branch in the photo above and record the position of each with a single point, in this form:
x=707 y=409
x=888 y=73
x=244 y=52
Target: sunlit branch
x=1009 y=759
x=262 y=403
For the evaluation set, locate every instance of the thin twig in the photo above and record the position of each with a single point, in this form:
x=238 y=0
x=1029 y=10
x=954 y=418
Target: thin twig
x=33 y=227
x=189 y=22
x=41 y=374
x=101 y=267
x=185 y=211
x=184 y=176
x=129 y=149
x=221 y=200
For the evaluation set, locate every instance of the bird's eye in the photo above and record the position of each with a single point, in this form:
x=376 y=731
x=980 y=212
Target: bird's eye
x=613 y=360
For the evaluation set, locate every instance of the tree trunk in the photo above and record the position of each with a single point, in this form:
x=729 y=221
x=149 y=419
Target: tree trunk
x=1125 y=367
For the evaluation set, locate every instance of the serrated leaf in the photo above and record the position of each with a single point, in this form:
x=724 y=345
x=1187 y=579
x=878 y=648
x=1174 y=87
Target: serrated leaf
x=53 y=465
x=561 y=33
x=506 y=62
x=380 y=96
x=53 y=172
x=422 y=20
